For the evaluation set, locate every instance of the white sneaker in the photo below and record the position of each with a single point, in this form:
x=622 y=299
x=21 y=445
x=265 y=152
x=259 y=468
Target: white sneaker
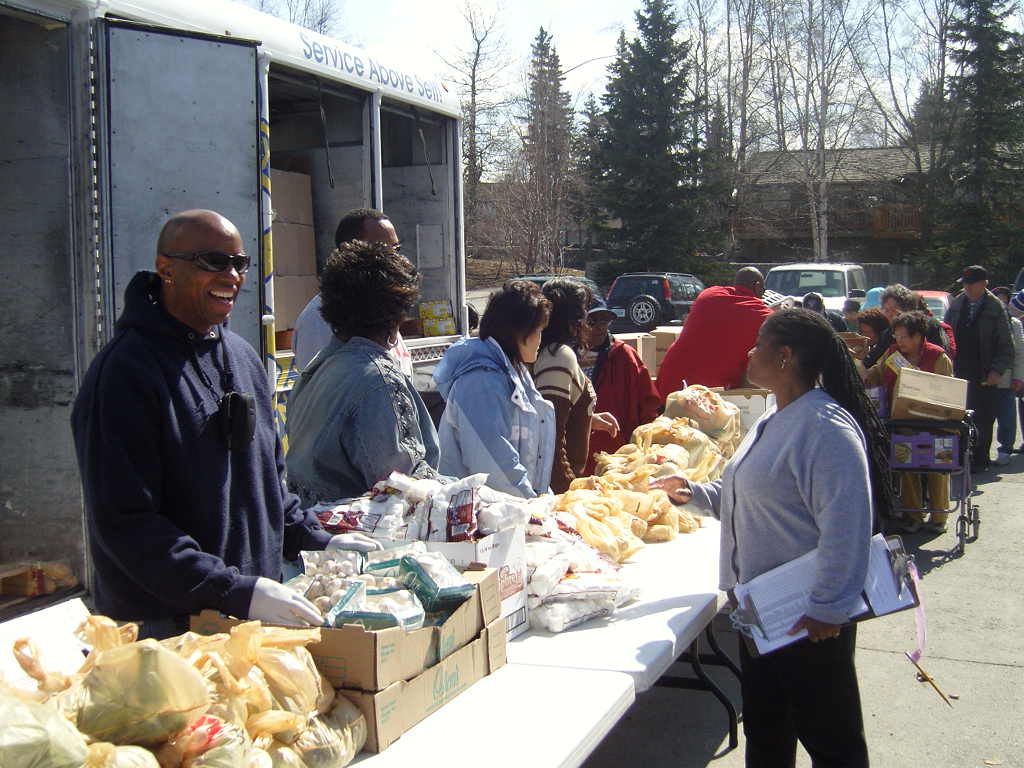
x=1002 y=459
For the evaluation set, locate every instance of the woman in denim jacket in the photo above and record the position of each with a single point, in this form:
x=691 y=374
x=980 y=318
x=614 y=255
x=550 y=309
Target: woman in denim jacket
x=495 y=420
x=354 y=417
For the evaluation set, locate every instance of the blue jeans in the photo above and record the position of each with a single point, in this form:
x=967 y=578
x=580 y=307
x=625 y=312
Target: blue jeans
x=1006 y=420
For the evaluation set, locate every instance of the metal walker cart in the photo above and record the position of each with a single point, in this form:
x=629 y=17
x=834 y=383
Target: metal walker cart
x=957 y=467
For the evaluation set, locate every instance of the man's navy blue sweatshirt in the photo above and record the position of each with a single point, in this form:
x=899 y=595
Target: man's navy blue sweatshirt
x=176 y=521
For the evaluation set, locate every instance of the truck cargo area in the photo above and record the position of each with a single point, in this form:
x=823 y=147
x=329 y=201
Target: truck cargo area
x=323 y=164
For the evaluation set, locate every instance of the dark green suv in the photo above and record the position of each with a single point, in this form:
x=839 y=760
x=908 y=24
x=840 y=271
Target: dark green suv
x=650 y=299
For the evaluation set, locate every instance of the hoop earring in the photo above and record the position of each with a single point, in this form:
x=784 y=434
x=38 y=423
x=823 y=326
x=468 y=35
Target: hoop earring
x=782 y=365
x=393 y=340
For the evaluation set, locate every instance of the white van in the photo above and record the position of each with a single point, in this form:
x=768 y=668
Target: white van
x=835 y=282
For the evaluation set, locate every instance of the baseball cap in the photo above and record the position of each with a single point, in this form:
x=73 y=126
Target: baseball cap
x=599 y=310
x=1017 y=305
x=973 y=274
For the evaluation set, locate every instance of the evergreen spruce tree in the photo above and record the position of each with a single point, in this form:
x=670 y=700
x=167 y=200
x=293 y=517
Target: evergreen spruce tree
x=547 y=152
x=649 y=152
x=584 y=206
x=989 y=146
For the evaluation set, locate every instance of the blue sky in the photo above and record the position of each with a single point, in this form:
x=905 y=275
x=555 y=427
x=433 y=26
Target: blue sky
x=419 y=31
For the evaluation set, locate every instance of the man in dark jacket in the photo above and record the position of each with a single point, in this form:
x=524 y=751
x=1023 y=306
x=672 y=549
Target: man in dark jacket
x=178 y=452
x=984 y=353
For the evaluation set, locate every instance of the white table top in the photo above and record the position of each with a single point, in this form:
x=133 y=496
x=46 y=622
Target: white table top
x=679 y=597
x=556 y=717
x=52 y=631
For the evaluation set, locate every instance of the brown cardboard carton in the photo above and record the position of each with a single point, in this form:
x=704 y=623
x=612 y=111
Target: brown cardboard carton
x=505 y=551
x=291 y=197
x=664 y=337
x=291 y=295
x=921 y=395
x=644 y=345
x=751 y=401
x=371 y=660
x=294 y=249
x=391 y=712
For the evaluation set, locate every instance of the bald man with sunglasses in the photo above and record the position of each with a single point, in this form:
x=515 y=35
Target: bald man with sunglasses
x=181 y=466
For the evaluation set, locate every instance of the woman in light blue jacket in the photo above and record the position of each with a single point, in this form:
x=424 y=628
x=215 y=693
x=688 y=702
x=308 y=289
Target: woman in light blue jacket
x=495 y=420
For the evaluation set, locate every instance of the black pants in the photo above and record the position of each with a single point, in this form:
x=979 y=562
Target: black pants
x=984 y=401
x=806 y=691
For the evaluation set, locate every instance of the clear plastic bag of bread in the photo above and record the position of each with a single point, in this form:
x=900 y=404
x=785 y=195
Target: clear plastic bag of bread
x=106 y=755
x=36 y=735
x=140 y=693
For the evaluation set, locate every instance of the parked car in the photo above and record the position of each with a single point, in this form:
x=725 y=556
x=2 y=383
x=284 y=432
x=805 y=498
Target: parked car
x=835 y=282
x=937 y=301
x=649 y=299
x=541 y=279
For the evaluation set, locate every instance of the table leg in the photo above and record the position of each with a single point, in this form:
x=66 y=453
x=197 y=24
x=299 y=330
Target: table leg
x=704 y=683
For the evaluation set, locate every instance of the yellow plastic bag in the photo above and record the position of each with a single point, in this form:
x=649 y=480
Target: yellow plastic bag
x=34 y=735
x=105 y=755
x=140 y=694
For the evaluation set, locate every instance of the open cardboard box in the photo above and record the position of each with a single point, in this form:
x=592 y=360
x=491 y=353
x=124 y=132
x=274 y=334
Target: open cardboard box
x=371 y=660
x=393 y=711
x=751 y=401
x=921 y=395
x=645 y=346
x=505 y=551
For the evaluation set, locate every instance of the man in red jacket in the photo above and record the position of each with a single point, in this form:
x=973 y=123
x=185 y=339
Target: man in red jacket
x=719 y=331
x=621 y=380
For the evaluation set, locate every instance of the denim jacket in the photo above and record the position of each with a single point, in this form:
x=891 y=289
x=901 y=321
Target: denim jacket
x=353 y=418
x=495 y=420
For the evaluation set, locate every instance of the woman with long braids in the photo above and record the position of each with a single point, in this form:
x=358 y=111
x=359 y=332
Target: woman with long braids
x=811 y=473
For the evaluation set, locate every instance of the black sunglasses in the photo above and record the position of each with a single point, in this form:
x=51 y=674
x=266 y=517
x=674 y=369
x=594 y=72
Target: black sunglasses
x=214 y=261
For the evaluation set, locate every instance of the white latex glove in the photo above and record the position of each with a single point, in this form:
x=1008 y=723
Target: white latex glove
x=356 y=542
x=277 y=604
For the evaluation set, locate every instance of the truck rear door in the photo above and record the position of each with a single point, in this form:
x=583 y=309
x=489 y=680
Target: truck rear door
x=183 y=132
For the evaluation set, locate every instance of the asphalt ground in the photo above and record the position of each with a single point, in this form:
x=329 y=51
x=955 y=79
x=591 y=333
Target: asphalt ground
x=975 y=653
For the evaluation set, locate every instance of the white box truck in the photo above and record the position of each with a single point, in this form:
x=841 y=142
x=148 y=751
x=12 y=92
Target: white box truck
x=117 y=114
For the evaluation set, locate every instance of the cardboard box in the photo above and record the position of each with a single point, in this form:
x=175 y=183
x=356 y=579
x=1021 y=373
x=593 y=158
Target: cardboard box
x=664 y=337
x=291 y=197
x=925 y=450
x=391 y=712
x=504 y=551
x=644 y=344
x=294 y=249
x=920 y=395
x=436 y=318
x=752 y=403
x=291 y=295
x=371 y=660
x=856 y=343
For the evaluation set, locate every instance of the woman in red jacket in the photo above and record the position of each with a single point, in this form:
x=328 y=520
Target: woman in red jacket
x=621 y=380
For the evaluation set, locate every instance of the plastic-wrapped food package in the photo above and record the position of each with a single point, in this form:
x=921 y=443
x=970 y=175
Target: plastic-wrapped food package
x=560 y=616
x=141 y=694
x=35 y=735
x=413 y=490
x=331 y=595
x=382 y=515
x=283 y=756
x=380 y=609
x=105 y=755
x=386 y=562
x=348 y=723
x=547 y=576
x=452 y=515
x=295 y=683
x=332 y=562
x=436 y=582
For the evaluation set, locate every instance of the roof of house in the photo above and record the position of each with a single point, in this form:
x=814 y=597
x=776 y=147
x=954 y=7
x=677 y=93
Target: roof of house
x=843 y=165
